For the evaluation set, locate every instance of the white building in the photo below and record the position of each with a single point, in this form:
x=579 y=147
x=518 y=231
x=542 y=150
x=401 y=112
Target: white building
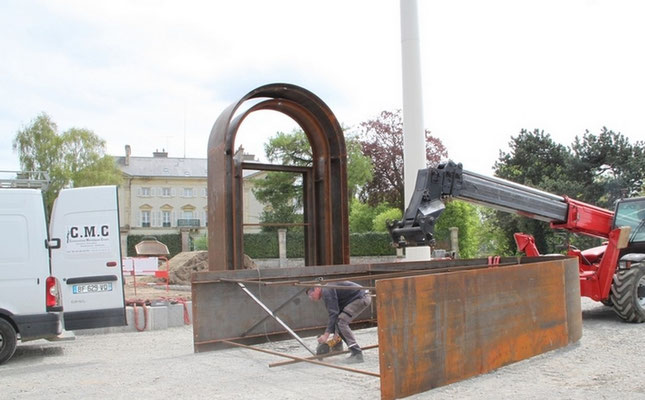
x=165 y=195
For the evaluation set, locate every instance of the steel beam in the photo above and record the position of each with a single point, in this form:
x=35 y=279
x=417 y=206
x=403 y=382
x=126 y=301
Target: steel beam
x=321 y=356
x=275 y=353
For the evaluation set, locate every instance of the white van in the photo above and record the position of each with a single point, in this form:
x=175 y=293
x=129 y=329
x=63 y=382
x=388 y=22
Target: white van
x=66 y=277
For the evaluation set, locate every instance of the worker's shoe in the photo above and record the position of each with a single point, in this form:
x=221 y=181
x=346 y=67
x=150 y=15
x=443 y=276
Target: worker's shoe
x=356 y=356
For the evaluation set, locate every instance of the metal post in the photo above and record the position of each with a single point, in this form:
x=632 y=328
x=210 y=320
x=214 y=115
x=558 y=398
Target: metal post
x=414 y=149
x=454 y=241
x=282 y=247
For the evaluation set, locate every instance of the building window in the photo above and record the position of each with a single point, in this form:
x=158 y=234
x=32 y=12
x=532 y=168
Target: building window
x=145 y=219
x=165 y=219
x=187 y=218
x=165 y=192
x=145 y=191
x=188 y=192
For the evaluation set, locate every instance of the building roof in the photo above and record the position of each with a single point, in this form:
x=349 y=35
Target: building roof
x=163 y=167
x=160 y=165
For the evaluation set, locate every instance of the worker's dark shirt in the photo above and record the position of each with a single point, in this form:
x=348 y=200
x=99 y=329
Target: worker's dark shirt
x=337 y=299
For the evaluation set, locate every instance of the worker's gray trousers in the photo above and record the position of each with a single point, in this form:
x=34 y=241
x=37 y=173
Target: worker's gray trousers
x=351 y=311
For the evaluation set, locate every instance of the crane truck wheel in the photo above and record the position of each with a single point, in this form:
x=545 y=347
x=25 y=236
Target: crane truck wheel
x=8 y=340
x=628 y=293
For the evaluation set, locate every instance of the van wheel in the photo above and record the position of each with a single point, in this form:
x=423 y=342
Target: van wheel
x=8 y=340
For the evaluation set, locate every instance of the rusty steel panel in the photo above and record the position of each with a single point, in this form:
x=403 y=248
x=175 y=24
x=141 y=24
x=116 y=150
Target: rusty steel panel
x=222 y=311
x=441 y=328
x=572 y=299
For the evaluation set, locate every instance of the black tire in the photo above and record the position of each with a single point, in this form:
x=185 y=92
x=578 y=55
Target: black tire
x=624 y=294
x=607 y=302
x=8 y=340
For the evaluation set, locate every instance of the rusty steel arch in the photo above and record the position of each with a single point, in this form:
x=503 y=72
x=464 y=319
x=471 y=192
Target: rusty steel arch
x=325 y=183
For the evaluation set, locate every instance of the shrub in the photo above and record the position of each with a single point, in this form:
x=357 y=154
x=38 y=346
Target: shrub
x=379 y=223
x=200 y=243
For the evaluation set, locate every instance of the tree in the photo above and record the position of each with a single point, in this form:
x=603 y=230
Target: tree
x=75 y=158
x=379 y=223
x=359 y=167
x=597 y=169
x=282 y=192
x=536 y=160
x=463 y=216
x=382 y=140
x=608 y=166
x=361 y=216
x=492 y=238
x=282 y=195
x=39 y=149
x=84 y=158
x=294 y=149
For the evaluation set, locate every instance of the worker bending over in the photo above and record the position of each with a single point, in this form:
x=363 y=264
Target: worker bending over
x=343 y=305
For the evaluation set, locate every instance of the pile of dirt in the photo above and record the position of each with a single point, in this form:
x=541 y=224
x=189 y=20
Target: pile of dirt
x=184 y=264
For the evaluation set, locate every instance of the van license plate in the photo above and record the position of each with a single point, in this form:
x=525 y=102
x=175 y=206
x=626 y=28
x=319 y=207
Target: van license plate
x=92 y=288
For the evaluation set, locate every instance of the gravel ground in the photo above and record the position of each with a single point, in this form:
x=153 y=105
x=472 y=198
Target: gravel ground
x=607 y=363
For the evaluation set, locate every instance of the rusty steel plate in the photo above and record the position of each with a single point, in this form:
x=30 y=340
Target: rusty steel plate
x=441 y=328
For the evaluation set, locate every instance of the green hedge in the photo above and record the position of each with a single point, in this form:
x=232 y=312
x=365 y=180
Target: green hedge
x=295 y=244
x=261 y=245
x=173 y=241
x=265 y=244
x=371 y=244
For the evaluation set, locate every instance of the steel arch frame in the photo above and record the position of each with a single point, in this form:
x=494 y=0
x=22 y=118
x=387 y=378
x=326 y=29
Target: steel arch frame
x=325 y=187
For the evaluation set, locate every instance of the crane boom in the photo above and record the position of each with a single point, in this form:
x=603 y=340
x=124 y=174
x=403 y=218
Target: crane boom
x=601 y=276
x=435 y=185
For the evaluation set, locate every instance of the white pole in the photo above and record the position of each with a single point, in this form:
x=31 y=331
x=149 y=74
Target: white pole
x=414 y=154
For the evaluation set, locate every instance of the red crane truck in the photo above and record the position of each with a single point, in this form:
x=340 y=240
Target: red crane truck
x=613 y=273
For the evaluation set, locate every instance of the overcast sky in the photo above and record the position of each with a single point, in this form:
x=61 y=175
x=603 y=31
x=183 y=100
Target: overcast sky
x=157 y=74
